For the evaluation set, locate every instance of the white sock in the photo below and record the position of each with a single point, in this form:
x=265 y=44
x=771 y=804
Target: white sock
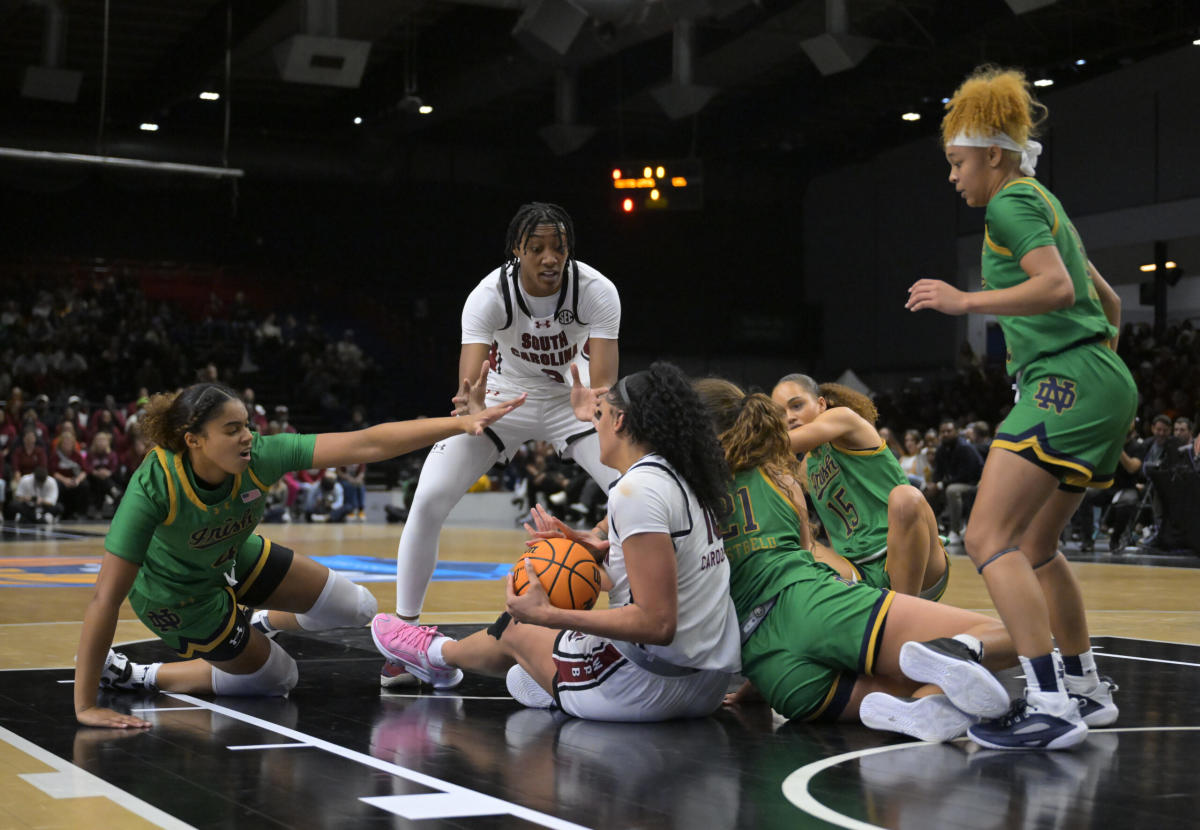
x=973 y=643
x=146 y=674
x=435 y=653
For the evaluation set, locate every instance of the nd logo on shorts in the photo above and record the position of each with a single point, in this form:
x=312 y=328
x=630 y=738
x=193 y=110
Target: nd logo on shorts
x=164 y=619
x=1056 y=393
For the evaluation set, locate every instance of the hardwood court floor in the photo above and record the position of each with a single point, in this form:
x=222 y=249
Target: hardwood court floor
x=339 y=753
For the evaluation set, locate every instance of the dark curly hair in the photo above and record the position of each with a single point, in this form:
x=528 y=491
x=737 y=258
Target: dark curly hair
x=169 y=416
x=663 y=412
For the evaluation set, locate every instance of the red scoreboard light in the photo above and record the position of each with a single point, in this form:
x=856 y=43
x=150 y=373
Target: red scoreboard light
x=657 y=185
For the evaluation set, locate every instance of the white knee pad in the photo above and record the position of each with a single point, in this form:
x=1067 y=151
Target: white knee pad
x=275 y=678
x=341 y=604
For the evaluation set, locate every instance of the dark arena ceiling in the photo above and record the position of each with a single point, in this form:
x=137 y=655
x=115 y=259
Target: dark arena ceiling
x=769 y=82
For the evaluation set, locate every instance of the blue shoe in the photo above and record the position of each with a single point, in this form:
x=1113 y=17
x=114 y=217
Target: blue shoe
x=955 y=669
x=1041 y=720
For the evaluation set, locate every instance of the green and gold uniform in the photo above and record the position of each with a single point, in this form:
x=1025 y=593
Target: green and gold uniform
x=850 y=489
x=197 y=554
x=806 y=633
x=1076 y=398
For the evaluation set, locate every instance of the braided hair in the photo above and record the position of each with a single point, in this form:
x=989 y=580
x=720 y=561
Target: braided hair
x=663 y=412
x=532 y=215
x=169 y=416
x=835 y=394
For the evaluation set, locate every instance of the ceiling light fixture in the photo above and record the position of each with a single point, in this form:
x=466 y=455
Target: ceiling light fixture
x=210 y=96
x=148 y=127
x=1043 y=82
x=911 y=116
x=425 y=109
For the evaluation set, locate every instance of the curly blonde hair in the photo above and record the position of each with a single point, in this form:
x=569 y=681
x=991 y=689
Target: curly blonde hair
x=993 y=100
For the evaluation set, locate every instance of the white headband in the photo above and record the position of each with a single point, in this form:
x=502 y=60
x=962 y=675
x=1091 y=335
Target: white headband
x=1029 y=152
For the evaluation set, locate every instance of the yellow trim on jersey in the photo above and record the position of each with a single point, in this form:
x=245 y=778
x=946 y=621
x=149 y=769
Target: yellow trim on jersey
x=1033 y=183
x=882 y=446
x=191 y=493
x=872 y=643
x=1084 y=475
x=999 y=249
x=787 y=499
x=245 y=584
x=820 y=710
x=161 y=455
x=192 y=648
x=257 y=483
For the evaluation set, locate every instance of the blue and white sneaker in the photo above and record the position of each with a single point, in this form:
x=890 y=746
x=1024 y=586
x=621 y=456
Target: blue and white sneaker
x=955 y=669
x=1040 y=720
x=1096 y=705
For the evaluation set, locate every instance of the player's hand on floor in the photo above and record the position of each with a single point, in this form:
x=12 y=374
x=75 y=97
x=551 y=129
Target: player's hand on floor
x=99 y=716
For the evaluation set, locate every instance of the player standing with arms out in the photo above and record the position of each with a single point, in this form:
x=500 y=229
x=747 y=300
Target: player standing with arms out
x=1075 y=403
x=182 y=547
x=549 y=325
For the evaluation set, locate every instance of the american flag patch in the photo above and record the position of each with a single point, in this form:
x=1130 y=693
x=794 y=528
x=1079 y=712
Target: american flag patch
x=250 y=495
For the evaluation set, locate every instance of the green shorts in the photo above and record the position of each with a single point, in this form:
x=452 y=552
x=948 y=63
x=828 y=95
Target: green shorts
x=1072 y=415
x=821 y=634
x=874 y=573
x=211 y=624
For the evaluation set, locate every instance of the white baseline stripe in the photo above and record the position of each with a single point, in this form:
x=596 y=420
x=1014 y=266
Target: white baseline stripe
x=167 y=709
x=532 y=816
x=72 y=781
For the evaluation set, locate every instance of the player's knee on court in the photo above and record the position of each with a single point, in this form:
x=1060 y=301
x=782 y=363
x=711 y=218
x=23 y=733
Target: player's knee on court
x=904 y=503
x=275 y=678
x=341 y=604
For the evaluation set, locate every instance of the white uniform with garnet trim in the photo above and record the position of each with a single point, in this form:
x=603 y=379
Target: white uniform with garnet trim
x=603 y=679
x=534 y=341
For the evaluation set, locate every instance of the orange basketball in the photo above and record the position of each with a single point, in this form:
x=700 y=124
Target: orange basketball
x=567 y=571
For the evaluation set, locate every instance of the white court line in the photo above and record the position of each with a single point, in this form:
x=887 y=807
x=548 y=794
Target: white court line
x=269 y=746
x=795 y=786
x=166 y=709
x=508 y=808
x=1148 y=659
x=449 y=697
x=71 y=781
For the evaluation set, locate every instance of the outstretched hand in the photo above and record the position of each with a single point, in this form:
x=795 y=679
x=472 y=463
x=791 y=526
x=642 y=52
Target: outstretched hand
x=937 y=295
x=477 y=422
x=584 y=399
x=546 y=526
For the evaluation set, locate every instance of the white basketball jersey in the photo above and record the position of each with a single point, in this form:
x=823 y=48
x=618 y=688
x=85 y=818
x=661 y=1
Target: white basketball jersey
x=534 y=340
x=652 y=498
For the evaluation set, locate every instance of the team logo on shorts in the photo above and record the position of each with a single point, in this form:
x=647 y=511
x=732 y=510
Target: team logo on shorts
x=164 y=619
x=1056 y=393
x=566 y=317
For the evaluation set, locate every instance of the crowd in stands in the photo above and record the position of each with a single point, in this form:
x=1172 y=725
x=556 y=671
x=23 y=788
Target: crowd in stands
x=79 y=358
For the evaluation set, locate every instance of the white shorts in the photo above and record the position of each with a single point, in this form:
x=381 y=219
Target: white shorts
x=597 y=682
x=542 y=419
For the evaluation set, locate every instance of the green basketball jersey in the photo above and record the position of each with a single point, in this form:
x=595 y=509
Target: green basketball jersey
x=850 y=490
x=1025 y=215
x=762 y=541
x=184 y=536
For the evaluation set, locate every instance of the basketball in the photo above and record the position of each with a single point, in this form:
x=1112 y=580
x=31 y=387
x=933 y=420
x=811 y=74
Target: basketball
x=567 y=571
